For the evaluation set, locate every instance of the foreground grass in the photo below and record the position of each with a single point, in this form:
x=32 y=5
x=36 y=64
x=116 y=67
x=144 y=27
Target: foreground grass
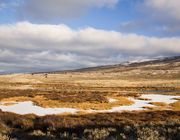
x=105 y=125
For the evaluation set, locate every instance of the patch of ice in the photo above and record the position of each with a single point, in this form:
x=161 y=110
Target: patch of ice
x=138 y=105
x=160 y=98
x=28 y=107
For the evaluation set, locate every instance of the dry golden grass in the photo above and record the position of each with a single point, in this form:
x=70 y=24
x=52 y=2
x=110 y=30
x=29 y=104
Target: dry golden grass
x=46 y=103
x=163 y=106
x=91 y=89
x=176 y=106
x=85 y=105
x=16 y=99
x=159 y=104
x=79 y=90
x=8 y=104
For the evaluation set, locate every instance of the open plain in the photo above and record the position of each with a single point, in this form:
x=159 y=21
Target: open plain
x=129 y=101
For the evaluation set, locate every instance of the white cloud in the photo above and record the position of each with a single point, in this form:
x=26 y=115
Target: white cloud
x=35 y=47
x=49 y=9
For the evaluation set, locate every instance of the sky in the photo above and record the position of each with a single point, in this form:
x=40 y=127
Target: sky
x=51 y=35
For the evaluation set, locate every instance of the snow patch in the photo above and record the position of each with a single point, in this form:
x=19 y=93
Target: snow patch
x=160 y=98
x=28 y=107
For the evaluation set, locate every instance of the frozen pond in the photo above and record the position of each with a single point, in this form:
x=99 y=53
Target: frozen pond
x=28 y=107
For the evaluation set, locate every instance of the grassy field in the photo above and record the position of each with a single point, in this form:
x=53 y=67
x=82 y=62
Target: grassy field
x=92 y=89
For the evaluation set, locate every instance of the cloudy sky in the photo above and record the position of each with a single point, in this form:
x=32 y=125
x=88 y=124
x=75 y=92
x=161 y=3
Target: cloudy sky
x=49 y=35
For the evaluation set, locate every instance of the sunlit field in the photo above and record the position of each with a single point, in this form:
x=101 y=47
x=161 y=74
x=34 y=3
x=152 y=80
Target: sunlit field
x=98 y=100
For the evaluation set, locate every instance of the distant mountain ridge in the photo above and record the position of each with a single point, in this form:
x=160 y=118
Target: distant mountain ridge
x=125 y=64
